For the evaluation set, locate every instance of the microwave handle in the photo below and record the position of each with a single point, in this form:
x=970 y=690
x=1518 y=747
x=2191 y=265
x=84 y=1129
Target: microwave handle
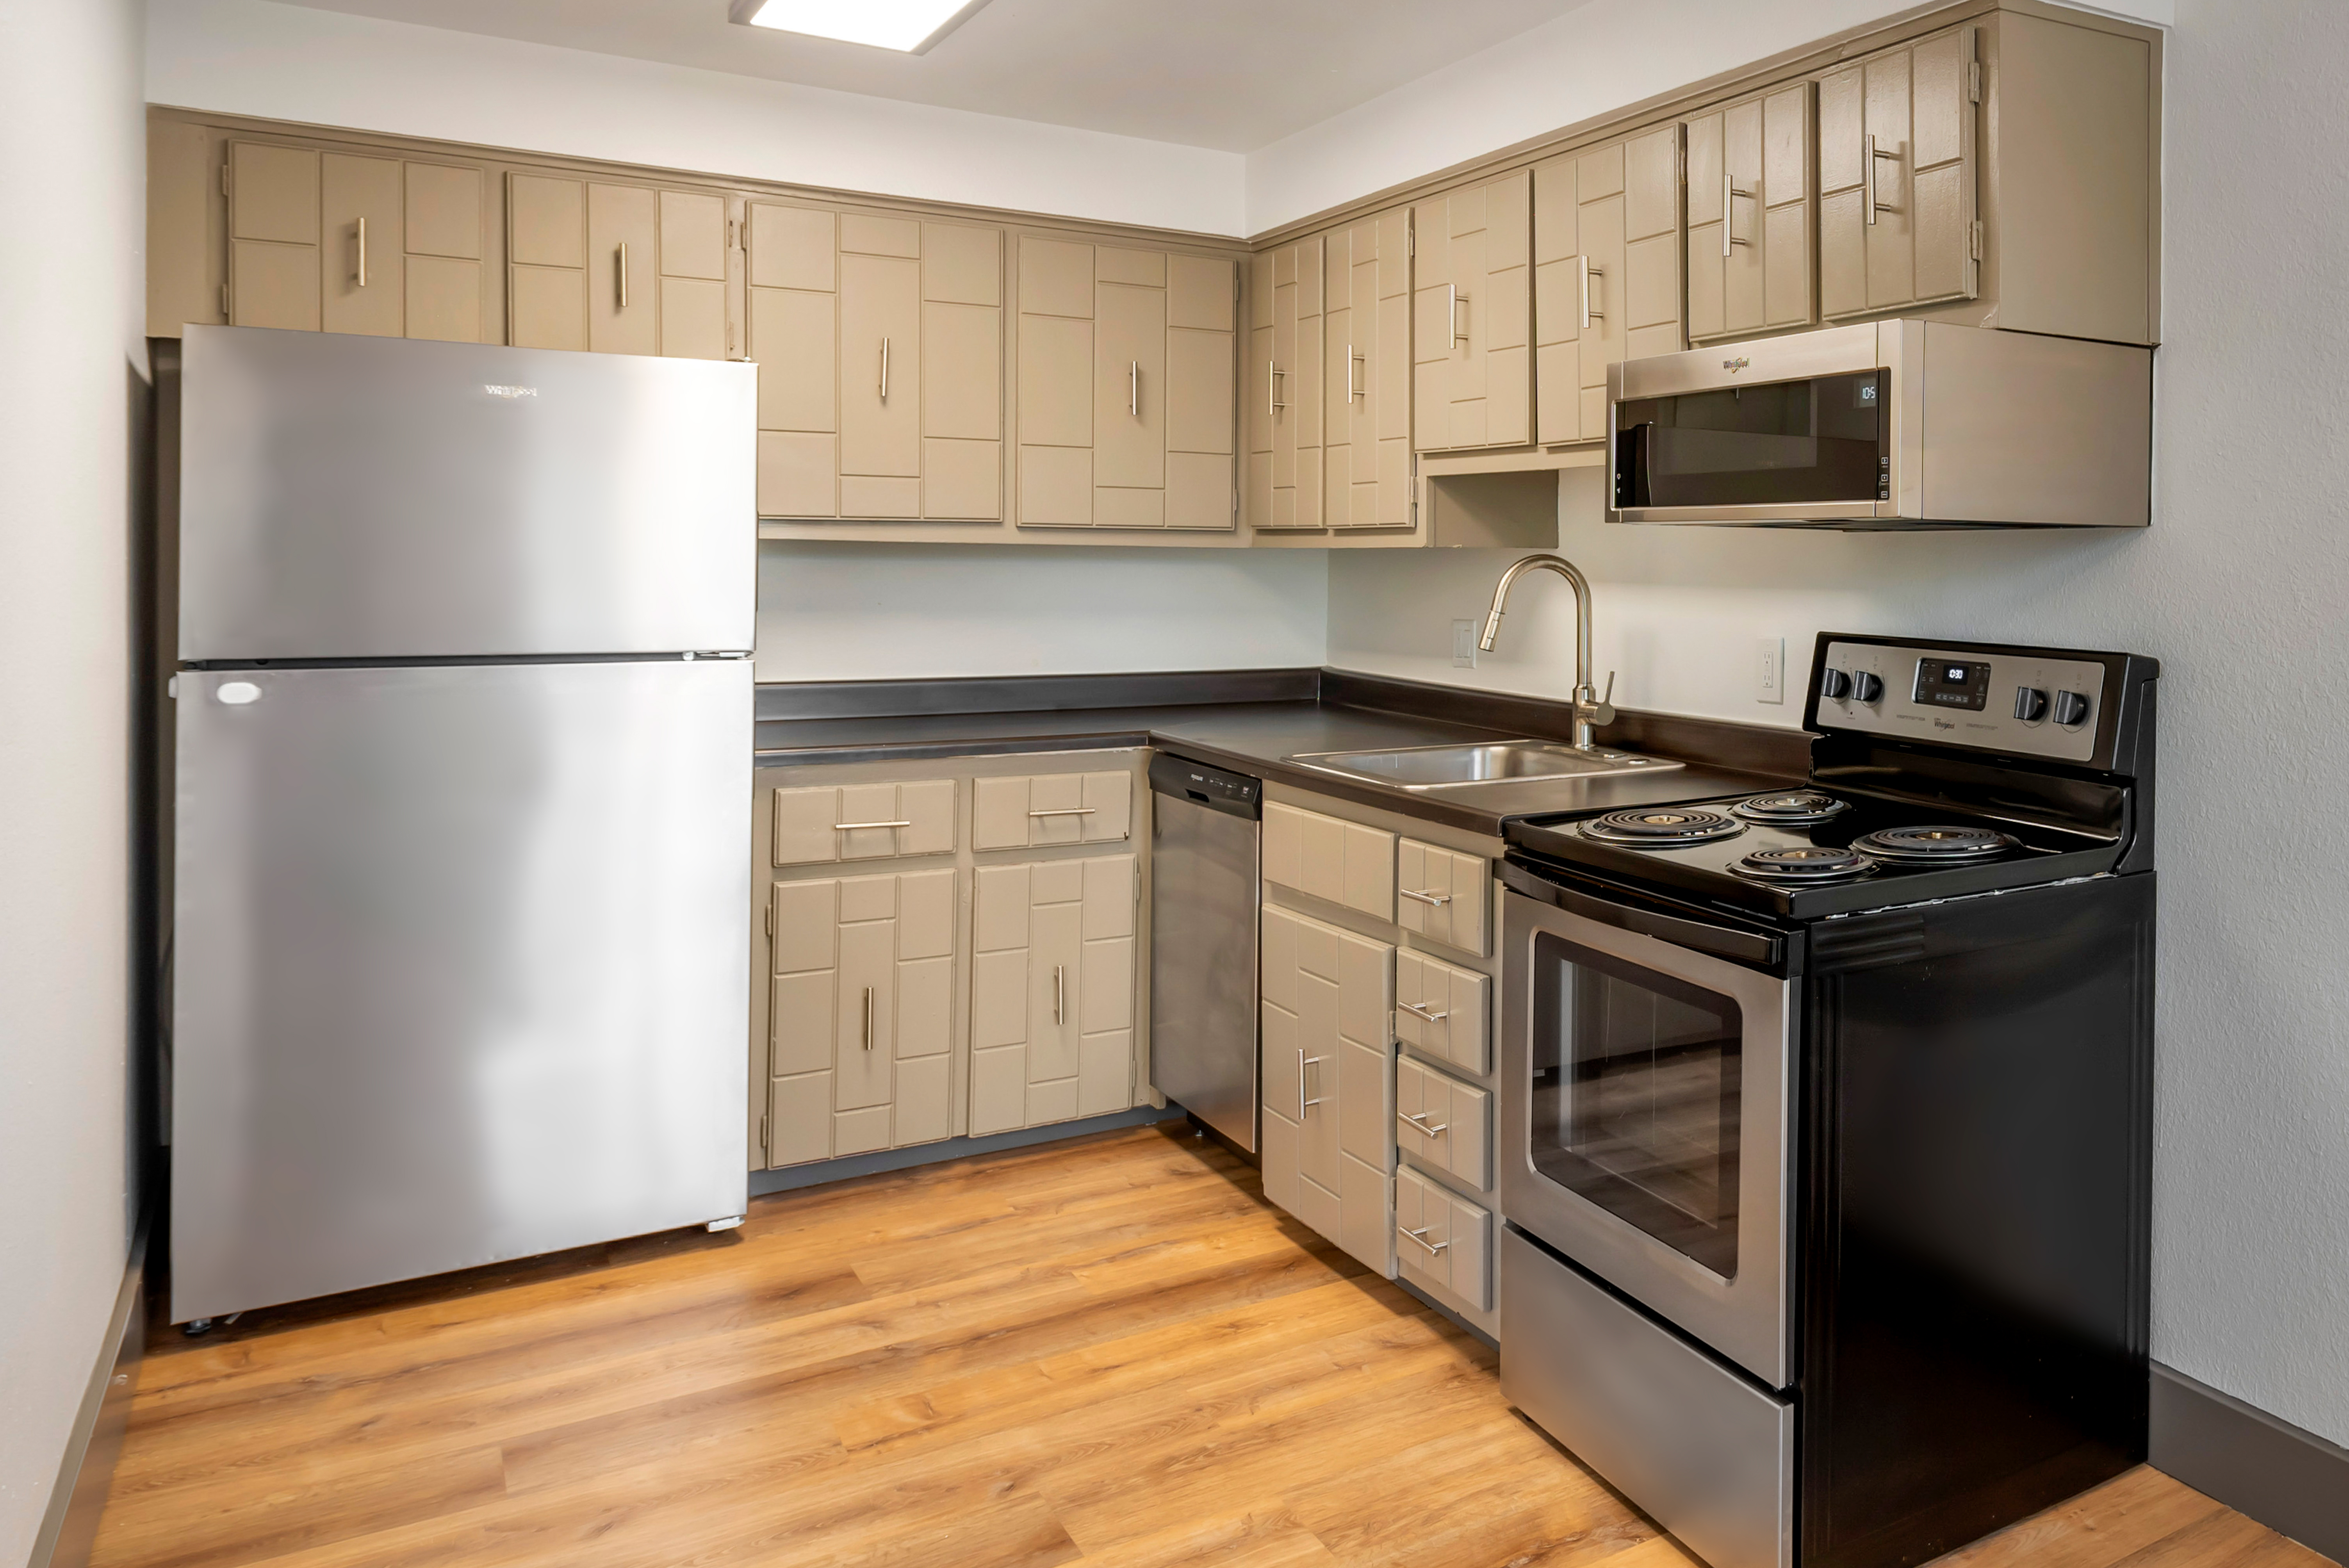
x=1635 y=464
x=1722 y=942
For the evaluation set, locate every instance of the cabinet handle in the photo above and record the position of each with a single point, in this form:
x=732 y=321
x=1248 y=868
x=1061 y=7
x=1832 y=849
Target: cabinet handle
x=884 y=370
x=1059 y=992
x=1419 y=1122
x=1066 y=812
x=1420 y=1236
x=362 y=273
x=623 y=274
x=1133 y=387
x=1588 y=273
x=1432 y=899
x=1303 y=1104
x=853 y=827
x=1458 y=336
x=1416 y=1011
x=1272 y=390
x=1729 y=195
x=868 y=1017
x=1874 y=206
x=1352 y=359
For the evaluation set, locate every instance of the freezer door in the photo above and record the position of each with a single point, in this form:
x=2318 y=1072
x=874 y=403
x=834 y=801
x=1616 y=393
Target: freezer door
x=347 y=496
x=461 y=968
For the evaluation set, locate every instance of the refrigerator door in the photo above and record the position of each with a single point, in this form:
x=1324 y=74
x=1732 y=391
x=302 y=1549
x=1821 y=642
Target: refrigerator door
x=462 y=967
x=361 y=497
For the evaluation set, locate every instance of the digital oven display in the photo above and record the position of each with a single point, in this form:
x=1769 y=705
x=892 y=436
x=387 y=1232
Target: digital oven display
x=1946 y=682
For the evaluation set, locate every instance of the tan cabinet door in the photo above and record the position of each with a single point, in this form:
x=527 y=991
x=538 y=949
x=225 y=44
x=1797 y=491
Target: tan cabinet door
x=546 y=251
x=1051 y=992
x=1444 y=1011
x=1444 y=895
x=1599 y=279
x=1652 y=244
x=1020 y=812
x=863 y=821
x=441 y=211
x=1473 y=316
x=1443 y=1239
x=1328 y=1106
x=273 y=232
x=363 y=274
x=1561 y=279
x=1202 y=309
x=1366 y=376
x=1292 y=373
x=1129 y=405
x=1896 y=178
x=1345 y=862
x=1607 y=243
x=880 y=380
x=792 y=262
x=623 y=270
x=962 y=372
x=1056 y=383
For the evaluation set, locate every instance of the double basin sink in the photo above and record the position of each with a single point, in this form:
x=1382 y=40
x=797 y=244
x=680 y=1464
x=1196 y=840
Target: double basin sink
x=1443 y=768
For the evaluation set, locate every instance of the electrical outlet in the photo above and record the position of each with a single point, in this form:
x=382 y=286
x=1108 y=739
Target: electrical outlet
x=1770 y=669
x=1463 y=645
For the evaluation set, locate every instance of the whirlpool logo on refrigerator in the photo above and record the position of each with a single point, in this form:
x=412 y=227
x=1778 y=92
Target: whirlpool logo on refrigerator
x=509 y=393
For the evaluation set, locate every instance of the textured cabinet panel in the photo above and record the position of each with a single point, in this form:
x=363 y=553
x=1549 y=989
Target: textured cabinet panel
x=1896 y=138
x=692 y=318
x=1056 y=278
x=1367 y=373
x=864 y=234
x=792 y=337
x=1443 y=1010
x=880 y=365
x=1027 y=810
x=1342 y=861
x=860 y=821
x=962 y=480
x=1052 y=993
x=364 y=270
x=272 y=285
x=1473 y=343
x=790 y=247
x=1443 y=1123
x=549 y=308
x=962 y=264
x=442 y=299
x=1129 y=385
x=1056 y=380
x=796 y=475
x=273 y=193
x=1444 y=895
x=1442 y=1239
x=546 y=222
x=962 y=372
x=623 y=287
x=692 y=235
x=442 y=211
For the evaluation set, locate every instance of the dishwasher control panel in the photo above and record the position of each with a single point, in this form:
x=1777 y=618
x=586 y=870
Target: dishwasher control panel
x=1186 y=779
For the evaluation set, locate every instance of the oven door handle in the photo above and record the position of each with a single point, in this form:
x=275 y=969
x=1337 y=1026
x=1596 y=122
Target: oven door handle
x=1722 y=942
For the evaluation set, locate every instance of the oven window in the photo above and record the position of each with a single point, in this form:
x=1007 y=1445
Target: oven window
x=1776 y=443
x=1635 y=1097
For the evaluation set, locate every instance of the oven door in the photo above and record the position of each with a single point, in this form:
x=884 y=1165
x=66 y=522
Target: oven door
x=1645 y=1097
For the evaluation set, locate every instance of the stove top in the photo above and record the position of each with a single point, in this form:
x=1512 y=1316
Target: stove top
x=1803 y=853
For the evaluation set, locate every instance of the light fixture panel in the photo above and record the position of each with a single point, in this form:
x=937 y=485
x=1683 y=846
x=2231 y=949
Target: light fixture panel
x=907 y=27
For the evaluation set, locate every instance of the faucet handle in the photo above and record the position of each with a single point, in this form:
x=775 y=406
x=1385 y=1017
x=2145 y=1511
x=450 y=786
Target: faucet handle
x=1601 y=711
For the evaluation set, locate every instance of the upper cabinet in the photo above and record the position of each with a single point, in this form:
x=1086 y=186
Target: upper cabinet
x=879 y=342
x=1747 y=195
x=1285 y=383
x=1472 y=317
x=1897 y=225
x=336 y=241
x=1126 y=369
x=615 y=269
x=1367 y=373
x=1607 y=248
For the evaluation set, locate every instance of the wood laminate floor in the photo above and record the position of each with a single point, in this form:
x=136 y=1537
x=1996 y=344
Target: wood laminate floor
x=1111 y=1351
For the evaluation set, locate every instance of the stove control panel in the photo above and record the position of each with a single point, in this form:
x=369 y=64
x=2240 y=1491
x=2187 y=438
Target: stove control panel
x=2020 y=704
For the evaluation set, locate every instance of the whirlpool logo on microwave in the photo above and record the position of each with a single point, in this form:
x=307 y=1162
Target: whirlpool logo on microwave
x=509 y=393
x=1736 y=364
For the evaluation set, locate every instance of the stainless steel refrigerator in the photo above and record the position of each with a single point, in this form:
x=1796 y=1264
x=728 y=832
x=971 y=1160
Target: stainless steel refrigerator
x=460 y=857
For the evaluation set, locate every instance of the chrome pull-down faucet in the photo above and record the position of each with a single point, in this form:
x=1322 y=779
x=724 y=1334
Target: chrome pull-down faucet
x=1590 y=709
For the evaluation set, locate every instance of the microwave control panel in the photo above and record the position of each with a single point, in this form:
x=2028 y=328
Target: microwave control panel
x=2020 y=704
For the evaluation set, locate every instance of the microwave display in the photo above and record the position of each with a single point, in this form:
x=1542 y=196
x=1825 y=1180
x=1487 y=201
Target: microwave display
x=1778 y=443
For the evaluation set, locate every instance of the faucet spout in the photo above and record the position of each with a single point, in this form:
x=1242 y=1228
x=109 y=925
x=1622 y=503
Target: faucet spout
x=1590 y=710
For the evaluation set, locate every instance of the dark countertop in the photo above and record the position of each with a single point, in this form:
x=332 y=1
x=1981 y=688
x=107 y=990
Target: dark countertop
x=1259 y=722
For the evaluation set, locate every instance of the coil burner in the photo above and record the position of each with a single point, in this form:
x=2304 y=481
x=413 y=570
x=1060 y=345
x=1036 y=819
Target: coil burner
x=1793 y=809
x=1933 y=846
x=1661 y=827
x=1804 y=864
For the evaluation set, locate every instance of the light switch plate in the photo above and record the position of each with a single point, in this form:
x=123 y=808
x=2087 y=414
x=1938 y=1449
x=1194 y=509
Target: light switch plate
x=1464 y=644
x=1770 y=669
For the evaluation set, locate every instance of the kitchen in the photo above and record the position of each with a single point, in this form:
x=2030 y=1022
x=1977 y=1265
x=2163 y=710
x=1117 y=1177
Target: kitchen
x=1076 y=659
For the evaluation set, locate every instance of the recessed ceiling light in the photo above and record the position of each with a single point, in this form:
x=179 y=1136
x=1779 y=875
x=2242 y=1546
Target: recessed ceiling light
x=908 y=26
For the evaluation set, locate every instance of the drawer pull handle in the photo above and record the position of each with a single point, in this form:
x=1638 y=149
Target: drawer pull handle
x=1416 y=1011
x=1420 y=1236
x=1067 y=811
x=1432 y=899
x=854 y=827
x=1418 y=1123
x=1303 y=1104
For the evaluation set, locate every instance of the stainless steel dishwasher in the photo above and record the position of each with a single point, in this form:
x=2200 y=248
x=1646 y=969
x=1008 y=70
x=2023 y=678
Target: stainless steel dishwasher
x=1204 y=824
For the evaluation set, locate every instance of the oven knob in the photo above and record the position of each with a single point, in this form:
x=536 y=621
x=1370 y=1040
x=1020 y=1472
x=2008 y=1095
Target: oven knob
x=1835 y=684
x=2071 y=709
x=2030 y=704
x=1866 y=687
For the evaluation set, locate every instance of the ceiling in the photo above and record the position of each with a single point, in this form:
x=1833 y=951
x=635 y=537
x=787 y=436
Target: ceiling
x=1233 y=75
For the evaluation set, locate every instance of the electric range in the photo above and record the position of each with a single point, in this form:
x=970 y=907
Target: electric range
x=1825 y=1115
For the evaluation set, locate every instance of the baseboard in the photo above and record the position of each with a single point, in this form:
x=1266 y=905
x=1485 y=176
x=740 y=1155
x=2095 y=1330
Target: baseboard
x=2294 y=1481
x=70 y=1525
x=792 y=1177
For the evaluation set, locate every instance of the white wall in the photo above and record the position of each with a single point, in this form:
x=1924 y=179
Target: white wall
x=873 y=611
x=70 y=360
x=2240 y=588
x=1597 y=58
x=322 y=68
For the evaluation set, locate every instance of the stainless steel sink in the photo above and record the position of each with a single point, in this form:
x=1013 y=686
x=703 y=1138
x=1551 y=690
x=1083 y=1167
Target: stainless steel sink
x=1423 y=768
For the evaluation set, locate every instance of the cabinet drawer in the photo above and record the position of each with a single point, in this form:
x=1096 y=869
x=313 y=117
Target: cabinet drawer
x=1445 y=1123
x=864 y=822
x=1444 y=896
x=1342 y=861
x=1443 y=1239
x=1029 y=810
x=1444 y=1011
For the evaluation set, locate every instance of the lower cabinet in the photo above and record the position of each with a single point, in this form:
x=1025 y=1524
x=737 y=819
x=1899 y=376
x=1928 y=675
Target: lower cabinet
x=860 y=1014
x=1443 y=1240
x=1051 y=1006
x=1328 y=1080
x=1445 y=1123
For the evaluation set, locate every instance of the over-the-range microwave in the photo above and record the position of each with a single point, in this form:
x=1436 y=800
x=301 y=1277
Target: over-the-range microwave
x=1885 y=425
